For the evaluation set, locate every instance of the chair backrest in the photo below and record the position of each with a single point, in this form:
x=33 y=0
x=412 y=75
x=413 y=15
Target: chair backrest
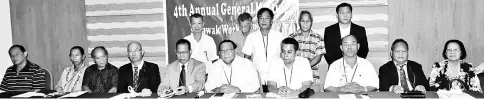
x=481 y=79
x=48 y=80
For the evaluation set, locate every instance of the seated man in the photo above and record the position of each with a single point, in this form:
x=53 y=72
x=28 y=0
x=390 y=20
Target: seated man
x=351 y=73
x=401 y=74
x=101 y=77
x=24 y=75
x=185 y=75
x=289 y=75
x=138 y=74
x=232 y=73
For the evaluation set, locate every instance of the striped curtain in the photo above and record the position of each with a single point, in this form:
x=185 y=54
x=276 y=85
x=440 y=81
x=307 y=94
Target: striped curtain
x=115 y=23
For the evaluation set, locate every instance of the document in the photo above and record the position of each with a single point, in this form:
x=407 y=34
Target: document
x=74 y=94
x=347 y=96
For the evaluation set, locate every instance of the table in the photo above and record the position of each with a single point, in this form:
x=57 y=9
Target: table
x=429 y=94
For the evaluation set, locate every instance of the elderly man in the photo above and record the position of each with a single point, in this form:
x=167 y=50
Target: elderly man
x=185 y=75
x=400 y=74
x=101 y=77
x=138 y=74
x=245 y=27
x=351 y=73
x=23 y=75
x=232 y=73
x=203 y=46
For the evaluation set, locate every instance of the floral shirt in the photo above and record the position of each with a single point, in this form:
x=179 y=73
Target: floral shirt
x=440 y=77
x=71 y=80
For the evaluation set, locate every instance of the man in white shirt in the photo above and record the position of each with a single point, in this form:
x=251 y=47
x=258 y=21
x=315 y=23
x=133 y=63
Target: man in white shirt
x=351 y=73
x=263 y=46
x=232 y=73
x=289 y=75
x=203 y=46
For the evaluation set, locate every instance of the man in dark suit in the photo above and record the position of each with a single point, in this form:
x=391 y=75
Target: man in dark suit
x=401 y=74
x=334 y=33
x=138 y=74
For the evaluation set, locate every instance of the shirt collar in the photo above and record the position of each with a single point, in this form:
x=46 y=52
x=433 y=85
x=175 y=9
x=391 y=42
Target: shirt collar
x=180 y=64
x=140 y=65
x=404 y=64
x=346 y=64
x=27 y=65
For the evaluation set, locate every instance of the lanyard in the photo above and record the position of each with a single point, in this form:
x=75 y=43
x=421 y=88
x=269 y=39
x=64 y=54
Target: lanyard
x=265 y=45
x=229 y=81
x=354 y=72
x=285 y=76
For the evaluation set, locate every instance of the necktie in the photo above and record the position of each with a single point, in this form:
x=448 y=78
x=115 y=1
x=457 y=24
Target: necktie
x=182 y=76
x=135 y=78
x=403 y=78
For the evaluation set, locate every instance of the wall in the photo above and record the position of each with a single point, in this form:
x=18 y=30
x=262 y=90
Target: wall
x=115 y=23
x=427 y=24
x=5 y=36
x=48 y=29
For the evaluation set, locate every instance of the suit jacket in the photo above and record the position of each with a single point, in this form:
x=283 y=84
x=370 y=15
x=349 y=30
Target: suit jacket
x=332 y=42
x=388 y=75
x=149 y=77
x=194 y=76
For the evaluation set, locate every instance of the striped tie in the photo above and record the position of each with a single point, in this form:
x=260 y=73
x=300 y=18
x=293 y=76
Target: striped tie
x=403 y=78
x=135 y=78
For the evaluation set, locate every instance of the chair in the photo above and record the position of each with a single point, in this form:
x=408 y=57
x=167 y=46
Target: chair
x=481 y=79
x=48 y=80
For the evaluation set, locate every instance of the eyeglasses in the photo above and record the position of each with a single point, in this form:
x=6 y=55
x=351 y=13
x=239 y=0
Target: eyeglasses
x=227 y=50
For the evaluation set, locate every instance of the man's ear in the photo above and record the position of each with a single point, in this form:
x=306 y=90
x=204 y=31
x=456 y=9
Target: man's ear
x=142 y=53
x=26 y=54
x=358 y=46
x=341 y=47
x=391 y=54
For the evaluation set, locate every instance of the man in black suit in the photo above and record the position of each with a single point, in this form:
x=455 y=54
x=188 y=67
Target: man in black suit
x=401 y=74
x=334 y=33
x=138 y=74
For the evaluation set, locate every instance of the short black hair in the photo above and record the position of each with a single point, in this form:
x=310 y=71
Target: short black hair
x=399 y=41
x=244 y=17
x=344 y=5
x=183 y=41
x=224 y=41
x=262 y=10
x=291 y=41
x=342 y=39
x=196 y=15
x=16 y=46
x=306 y=12
x=99 y=47
x=461 y=45
x=79 y=48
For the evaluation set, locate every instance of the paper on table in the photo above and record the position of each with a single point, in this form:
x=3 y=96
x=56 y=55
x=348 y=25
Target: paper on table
x=443 y=94
x=347 y=96
x=120 y=96
x=225 y=96
x=272 y=95
x=29 y=94
x=365 y=96
x=74 y=94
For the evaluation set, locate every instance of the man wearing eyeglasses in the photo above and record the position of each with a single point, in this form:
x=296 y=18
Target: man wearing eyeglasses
x=185 y=75
x=138 y=74
x=232 y=73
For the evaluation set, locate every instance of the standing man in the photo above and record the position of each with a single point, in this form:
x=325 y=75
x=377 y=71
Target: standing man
x=232 y=73
x=344 y=27
x=185 y=75
x=71 y=77
x=24 y=75
x=311 y=45
x=245 y=27
x=263 y=46
x=401 y=74
x=351 y=73
x=101 y=77
x=204 y=48
x=138 y=74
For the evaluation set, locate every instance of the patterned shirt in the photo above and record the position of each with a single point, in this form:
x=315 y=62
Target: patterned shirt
x=71 y=80
x=440 y=77
x=100 y=81
x=309 y=47
x=29 y=78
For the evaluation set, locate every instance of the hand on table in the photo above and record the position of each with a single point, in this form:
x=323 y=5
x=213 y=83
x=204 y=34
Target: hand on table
x=397 y=89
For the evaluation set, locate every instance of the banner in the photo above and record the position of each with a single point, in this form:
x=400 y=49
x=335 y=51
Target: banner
x=220 y=17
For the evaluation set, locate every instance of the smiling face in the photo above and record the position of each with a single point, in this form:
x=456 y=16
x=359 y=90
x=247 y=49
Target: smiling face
x=196 y=24
x=227 y=53
x=453 y=51
x=400 y=53
x=265 y=21
x=305 y=22
x=344 y=15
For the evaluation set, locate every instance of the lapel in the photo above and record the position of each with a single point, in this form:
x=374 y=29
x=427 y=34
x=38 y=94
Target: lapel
x=410 y=74
x=190 y=67
x=130 y=72
x=338 y=33
x=394 y=75
x=175 y=74
x=352 y=27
